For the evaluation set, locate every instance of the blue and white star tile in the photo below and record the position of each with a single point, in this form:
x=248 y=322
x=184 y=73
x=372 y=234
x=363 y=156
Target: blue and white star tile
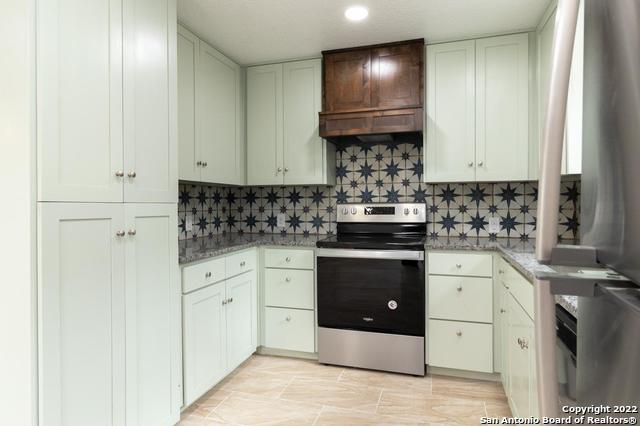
x=569 y=225
x=509 y=195
x=476 y=223
x=448 y=196
x=477 y=196
x=391 y=170
x=449 y=223
x=392 y=193
x=511 y=224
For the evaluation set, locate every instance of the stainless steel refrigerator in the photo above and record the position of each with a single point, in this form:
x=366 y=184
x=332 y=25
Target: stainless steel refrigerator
x=604 y=271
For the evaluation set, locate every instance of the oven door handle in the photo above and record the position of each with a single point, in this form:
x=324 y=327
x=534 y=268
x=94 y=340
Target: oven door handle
x=372 y=254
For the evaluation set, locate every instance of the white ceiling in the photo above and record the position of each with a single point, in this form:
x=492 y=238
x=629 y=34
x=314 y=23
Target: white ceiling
x=255 y=31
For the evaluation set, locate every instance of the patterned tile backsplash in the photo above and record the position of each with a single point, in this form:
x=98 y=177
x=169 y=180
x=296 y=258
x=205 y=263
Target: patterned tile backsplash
x=384 y=173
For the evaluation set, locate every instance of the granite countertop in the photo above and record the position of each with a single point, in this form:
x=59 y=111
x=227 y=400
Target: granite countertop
x=519 y=254
x=192 y=250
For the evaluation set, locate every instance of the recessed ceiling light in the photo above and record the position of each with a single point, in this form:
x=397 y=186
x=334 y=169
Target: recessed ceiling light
x=356 y=13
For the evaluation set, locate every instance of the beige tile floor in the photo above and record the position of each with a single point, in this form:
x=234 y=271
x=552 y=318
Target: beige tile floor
x=284 y=391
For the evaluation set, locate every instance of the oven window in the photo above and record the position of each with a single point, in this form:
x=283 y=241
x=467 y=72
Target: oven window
x=371 y=295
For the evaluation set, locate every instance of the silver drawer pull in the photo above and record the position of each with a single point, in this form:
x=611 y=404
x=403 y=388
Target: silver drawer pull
x=288 y=318
x=288 y=279
x=502 y=311
x=500 y=271
x=207 y=275
x=242 y=264
x=459 y=288
x=230 y=300
x=120 y=233
x=132 y=232
x=224 y=302
x=119 y=173
x=287 y=259
x=132 y=174
x=458 y=265
x=458 y=333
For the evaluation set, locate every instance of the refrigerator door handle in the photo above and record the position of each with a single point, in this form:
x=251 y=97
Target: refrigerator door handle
x=548 y=203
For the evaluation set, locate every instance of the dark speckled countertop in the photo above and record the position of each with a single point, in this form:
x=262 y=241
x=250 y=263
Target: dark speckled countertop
x=202 y=248
x=519 y=254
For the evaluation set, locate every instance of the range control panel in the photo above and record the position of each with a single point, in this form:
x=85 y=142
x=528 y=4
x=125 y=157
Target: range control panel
x=394 y=213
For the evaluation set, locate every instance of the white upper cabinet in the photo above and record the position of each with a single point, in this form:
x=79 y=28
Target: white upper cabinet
x=478 y=110
x=502 y=108
x=152 y=312
x=81 y=314
x=264 y=125
x=211 y=135
x=450 y=145
x=572 y=148
x=218 y=118
x=105 y=101
x=79 y=100
x=283 y=143
x=306 y=155
x=150 y=91
x=188 y=149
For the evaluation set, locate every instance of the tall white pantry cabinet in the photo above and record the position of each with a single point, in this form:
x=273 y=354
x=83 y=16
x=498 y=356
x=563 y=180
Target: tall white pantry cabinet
x=109 y=331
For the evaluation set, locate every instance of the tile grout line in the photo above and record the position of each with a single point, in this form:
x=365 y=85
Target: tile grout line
x=318 y=416
x=379 y=399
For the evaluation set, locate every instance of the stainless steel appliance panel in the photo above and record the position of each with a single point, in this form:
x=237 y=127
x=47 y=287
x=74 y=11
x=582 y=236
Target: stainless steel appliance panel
x=610 y=210
x=376 y=351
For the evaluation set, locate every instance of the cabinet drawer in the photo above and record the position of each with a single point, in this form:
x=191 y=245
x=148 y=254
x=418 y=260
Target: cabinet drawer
x=291 y=329
x=238 y=263
x=289 y=288
x=294 y=259
x=520 y=288
x=461 y=345
x=472 y=265
x=203 y=274
x=461 y=298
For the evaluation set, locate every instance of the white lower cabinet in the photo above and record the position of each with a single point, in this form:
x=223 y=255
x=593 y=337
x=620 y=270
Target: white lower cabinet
x=219 y=319
x=289 y=329
x=288 y=299
x=517 y=344
x=109 y=314
x=460 y=311
x=205 y=354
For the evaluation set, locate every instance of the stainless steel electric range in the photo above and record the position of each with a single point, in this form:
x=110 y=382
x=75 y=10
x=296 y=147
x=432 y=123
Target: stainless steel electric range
x=371 y=289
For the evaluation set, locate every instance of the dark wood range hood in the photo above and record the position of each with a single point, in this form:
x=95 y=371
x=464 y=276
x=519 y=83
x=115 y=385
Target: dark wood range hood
x=373 y=93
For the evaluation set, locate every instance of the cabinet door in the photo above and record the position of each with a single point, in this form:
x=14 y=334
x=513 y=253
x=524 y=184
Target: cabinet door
x=205 y=340
x=502 y=103
x=264 y=125
x=451 y=141
x=242 y=310
x=81 y=314
x=150 y=101
x=79 y=100
x=153 y=338
x=304 y=150
x=504 y=336
x=347 y=80
x=218 y=117
x=188 y=150
x=397 y=77
x=520 y=330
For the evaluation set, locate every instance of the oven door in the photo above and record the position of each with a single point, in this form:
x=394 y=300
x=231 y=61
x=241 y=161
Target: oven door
x=372 y=290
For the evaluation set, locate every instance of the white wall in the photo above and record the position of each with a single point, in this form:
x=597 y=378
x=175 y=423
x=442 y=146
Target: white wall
x=18 y=389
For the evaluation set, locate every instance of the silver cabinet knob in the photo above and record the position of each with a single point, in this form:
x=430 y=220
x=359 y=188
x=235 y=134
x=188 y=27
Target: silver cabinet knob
x=458 y=333
x=288 y=318
x=224 y=302
x=470 y=164
x=120 y=233
x=459 y=288
x=500 y=271
x=242 y=264
x=502 y=311
x=288 y=279
x=458 y=265
x=119 y=173
x=279 y=170
x=230 y=300
x=286 y=169
x=198 y=163
x=204 y=164
x=287 y=259
x=525 y=344
x=480 y=163
x=132 y=174
x=131 y=232
x=207 y=275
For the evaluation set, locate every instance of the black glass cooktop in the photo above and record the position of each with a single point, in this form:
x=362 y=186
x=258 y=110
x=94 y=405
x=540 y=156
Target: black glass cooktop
x=374 y=242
